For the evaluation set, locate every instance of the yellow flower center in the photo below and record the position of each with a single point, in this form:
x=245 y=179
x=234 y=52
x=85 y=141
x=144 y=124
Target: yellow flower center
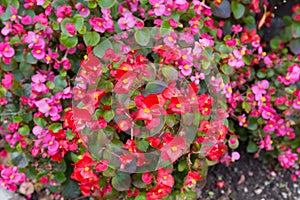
x=38 y=51
x=125 y=80
x=6 y=49
x=165 y=177
x=263 y=99
x=174 y=148
x=287 y=78
x=178 y=105
x=50 y=143
x=186 y=67
x=147 y=110
x=170 y=39
x=86 y=169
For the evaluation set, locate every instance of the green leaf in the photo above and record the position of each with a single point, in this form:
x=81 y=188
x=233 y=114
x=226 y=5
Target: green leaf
x=275 y=43
x=108 y=115
x=63 y=26
x=252 y=123
x=60 y=177
x=295 y=46
x=182 y=165
x=252 y=147
x=70 y=135
x=223 y=10
x=60 y=83
x=14 y=3
x=143 y=145
x=238 y=9
x=122 y=181
x=165 y=28
x=142 y=36
x=141 y=196
x=71 y=189
x=78 y=22
x=226 y=69
x=91 y=38
x=24 y=130
x=106 y=3
x=19 y=160
x=155 y=87
x=30 y=59
x=170 y=73
x=17 y=119
x=92 y=4
x=40 y=121
x=100 y=49
x=246 y=106
x=68 y=42
x=296 y=30
x=55 y=127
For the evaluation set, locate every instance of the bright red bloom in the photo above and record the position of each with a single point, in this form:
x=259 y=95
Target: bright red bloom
x=216 y=152
x=147 y=178
x=125 y=83
x=179 y=105
x=192 y=178
x=158 y=192
x=173 y=150
x=102 y=166
x=164 y=177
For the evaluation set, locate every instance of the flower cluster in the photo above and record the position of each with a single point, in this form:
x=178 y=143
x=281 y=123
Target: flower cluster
x=142 y=100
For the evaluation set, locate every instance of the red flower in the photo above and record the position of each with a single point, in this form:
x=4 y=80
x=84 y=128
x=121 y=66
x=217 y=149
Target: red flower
x=125 y=83
x=130 y=145
x=102 y=166
x=216 y=152
x=147 y=178
x=164 y=177
x=173 y=150
x=154 y=142
x=158 y=192
x=191 y=179
x=179 y=105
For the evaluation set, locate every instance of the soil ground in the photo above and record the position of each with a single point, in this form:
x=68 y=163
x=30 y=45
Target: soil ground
x=250 y=179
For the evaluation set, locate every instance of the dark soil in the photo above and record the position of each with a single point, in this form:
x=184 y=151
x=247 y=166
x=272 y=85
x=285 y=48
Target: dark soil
x=250 y=179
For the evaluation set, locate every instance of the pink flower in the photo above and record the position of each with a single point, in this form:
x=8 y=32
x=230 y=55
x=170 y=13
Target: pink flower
x=268 y=112
x=11 y=175
x=198 y=76
x=6 y=50
x=127 y=21
x=7 y=81
x=259 y=89
x=186 y=69
x=147 y=178
x=270 y=126
x=51 y=144
x=266 y=143
x=70 y=28
x=170 y=39
x=38 y=53
x=236 y=59
x=6 y=29
x=159 y=7
x=98 y=24
x=26 y=20
x=38 y=83
x=83 y=11
x=62 y=12
x=46 y=108
x=287 y=159
x=236 y=28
